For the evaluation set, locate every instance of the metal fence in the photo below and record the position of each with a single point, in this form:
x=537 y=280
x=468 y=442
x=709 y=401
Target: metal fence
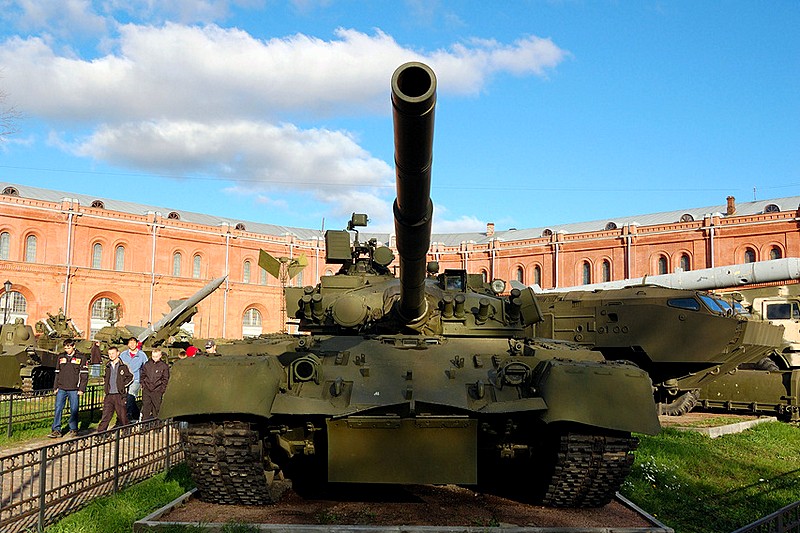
x=786 y=520
x=42 y=485
x=20 y=408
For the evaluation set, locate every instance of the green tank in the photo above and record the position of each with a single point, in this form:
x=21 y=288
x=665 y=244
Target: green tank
x=423 y=378
x=23 y=364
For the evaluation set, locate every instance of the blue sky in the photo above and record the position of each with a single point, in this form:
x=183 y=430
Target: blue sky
x=278 y=112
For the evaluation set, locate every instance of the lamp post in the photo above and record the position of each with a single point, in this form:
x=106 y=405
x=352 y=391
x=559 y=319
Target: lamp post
x=7 y=286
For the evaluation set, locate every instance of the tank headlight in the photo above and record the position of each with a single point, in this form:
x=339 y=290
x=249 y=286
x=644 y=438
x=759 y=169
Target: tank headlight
x=498 y=286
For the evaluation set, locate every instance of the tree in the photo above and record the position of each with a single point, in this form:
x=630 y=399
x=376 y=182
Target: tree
x=8 y=118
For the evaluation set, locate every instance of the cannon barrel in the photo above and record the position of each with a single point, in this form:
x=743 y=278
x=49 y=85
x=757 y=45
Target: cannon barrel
x=413 y=103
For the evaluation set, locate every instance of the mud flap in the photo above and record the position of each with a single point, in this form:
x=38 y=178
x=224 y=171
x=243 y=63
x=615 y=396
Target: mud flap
x=410 y=450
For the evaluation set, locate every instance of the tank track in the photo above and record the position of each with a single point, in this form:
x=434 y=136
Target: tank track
x=226 y=462
x=681 y=405
x=589 y=469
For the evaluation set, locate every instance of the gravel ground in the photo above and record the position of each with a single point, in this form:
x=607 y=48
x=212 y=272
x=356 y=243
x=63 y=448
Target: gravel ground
x=418 y=505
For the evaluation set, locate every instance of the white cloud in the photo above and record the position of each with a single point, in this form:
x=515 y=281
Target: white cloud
x=464 y=224
x=179 y=99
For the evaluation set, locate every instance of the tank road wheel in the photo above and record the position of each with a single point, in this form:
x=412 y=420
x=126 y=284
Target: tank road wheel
x=588 y=469
x=680 y=405
x=227 y=461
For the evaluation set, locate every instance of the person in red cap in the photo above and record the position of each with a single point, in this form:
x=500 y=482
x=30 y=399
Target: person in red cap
x=191 y=351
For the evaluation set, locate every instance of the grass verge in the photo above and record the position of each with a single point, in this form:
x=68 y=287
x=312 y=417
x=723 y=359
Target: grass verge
x=696 y=484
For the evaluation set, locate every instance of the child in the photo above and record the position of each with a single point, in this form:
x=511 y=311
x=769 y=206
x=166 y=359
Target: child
x=155 y=375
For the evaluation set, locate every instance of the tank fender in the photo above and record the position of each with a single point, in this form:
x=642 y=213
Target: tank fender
x=219 y=385
x=607 y=395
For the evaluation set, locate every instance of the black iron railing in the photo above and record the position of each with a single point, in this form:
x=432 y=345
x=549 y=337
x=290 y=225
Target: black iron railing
x=40 y=486
x=19 y=408
x=786 y=520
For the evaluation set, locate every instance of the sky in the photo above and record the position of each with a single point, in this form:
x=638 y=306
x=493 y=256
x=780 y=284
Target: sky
x=549 y=111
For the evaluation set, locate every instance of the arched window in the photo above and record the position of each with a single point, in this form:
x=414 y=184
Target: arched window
x=537 y=275
x=5 y=244
x=519 y=275
x=100 y=315
x=775 y=253
x=298 y=280
x=686 y=263
x=606 y=270
x=176 y=264
x=30 y=249
x=262 y=276
x=251 y=323
x=586 y=270
x=749 y=255
x=246 y=272
x=484 y=275
x=97 y=255
x=661 y=265
x=196 y=262
x=13 y=305
x=119 y=259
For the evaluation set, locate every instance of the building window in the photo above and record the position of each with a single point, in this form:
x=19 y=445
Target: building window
x=5 y=245
x=606 y=270
x=251 y=323
x=101 y=309
x=176 y=264
x=662 y=265
x=586 y=272
x=484 y=275
x=174 y=215
x=686 y=264
x=196 y=261
x=749 y=255
x=299 y=279
x=30 y=249
x=97 y=255
x=98 y=204
x=686 y=217
x=13 y=305
x=611 y=225
x=119 y=259
x=519 y=275
x=537 y=275
x=246 y=272
x=775 y=253
x=262 y=276
x=772 y=208
x=240 y=226
x=10 y=191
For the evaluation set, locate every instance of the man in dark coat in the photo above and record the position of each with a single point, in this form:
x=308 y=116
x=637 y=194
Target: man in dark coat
x=155 y=375
x=117 y=379
x=72 y=373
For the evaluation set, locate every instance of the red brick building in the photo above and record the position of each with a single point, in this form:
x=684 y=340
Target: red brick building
x=83 y=254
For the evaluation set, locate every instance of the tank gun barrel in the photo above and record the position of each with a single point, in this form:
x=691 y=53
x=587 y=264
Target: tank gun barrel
x=413 y=103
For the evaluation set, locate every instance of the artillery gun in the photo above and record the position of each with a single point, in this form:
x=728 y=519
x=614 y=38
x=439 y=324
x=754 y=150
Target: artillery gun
x=418 y=379
x=685 y=337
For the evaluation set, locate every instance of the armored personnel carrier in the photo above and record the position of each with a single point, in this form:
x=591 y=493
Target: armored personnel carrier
x=684 y=337
x=426 y=378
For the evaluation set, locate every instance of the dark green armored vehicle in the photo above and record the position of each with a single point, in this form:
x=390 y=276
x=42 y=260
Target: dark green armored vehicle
x=425 y=378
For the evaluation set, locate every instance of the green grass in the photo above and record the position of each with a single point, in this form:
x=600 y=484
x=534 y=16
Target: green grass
x=694 y=483
x=117 y=513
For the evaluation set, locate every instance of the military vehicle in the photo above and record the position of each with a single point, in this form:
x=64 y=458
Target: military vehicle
x=770 y=385
x=24 y=366
x=28 y=355
x=421 y=379
x=684 y=337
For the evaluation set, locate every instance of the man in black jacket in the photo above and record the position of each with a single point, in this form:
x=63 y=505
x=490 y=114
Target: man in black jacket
x=155 y=375
x=116 y=381
x=72 y=373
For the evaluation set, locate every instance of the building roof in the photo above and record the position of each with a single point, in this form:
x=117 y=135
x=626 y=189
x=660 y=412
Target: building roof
x=789 y=203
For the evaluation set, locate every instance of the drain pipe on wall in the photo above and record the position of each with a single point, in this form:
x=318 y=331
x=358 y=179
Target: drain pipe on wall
x=153 y=267
x=68 y=261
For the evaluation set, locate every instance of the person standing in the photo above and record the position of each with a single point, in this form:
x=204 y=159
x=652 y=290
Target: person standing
x=155 y=375
x=72 y=373
x=135 y=359
x=96 y=360
x=118 y=377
